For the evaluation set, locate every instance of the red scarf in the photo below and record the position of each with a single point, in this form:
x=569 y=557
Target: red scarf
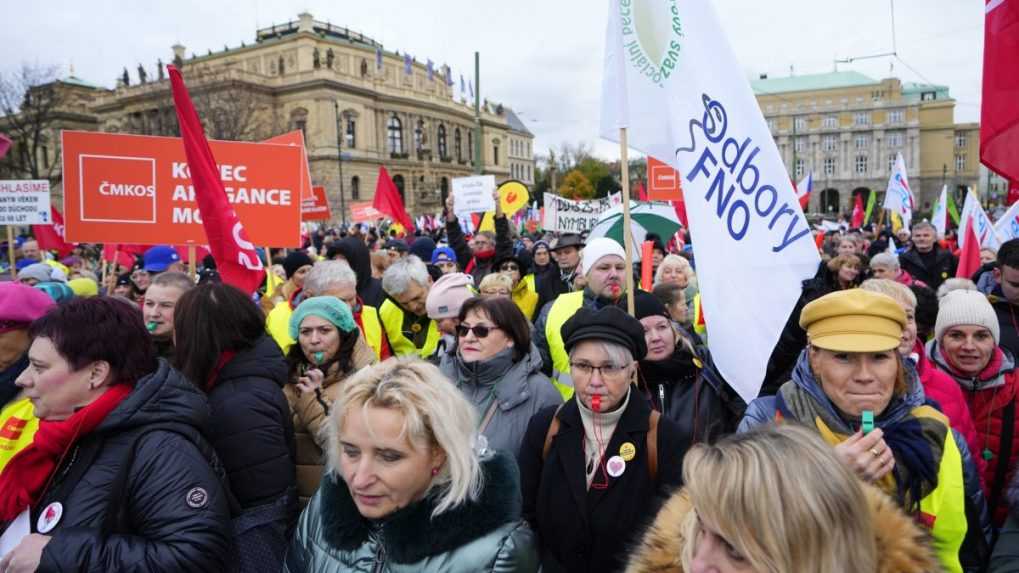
x=991 y=371
x=222 y=361
x=27 y=475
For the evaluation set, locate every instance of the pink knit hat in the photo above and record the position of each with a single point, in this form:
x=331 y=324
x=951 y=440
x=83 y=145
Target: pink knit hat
x=20 y=305
x=448 y=294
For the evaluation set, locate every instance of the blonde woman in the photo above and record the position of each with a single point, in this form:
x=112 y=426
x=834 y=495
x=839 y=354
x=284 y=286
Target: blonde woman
x=496 y=284
x=741 y=512
x=408 y=485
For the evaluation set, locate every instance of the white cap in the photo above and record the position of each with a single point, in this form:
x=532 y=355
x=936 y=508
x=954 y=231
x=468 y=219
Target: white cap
x=596 y=249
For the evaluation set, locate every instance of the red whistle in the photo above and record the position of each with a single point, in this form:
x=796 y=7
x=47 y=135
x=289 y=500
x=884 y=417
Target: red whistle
x=596 y=402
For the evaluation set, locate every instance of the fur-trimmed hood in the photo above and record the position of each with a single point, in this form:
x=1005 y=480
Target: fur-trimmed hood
x=901 y=543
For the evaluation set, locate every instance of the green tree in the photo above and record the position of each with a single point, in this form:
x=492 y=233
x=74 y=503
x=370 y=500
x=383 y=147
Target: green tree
x=595 y=170
x=576 y=186
x=605 y=185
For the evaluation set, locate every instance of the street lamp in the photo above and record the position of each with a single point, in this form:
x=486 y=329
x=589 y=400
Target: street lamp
x=339 y=158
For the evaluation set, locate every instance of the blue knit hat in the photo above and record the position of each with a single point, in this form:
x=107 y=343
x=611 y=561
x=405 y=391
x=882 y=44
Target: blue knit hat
x=328 y=307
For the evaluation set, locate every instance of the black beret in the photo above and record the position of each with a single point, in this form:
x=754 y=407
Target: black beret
x=610 y=324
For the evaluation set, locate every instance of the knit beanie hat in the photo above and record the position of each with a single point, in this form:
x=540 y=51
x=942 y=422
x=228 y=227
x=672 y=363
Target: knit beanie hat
x=645 y=305
x=41 y=272
x=327 y=307
x=83 y=287
x=968 y=307
x=294 y=261
x=598 y=248
x=448 y=294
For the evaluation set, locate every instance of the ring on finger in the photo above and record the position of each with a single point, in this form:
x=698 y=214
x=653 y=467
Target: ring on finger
x=875 y=452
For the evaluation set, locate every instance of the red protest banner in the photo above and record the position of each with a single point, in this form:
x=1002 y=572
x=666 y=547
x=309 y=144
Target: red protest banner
x=663 y=181
x=363 y=212
x=296 y=139
x=137 y=189
x=316 y=208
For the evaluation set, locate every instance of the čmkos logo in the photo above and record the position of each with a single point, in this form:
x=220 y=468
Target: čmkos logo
x=651 y=37
x=118 y=189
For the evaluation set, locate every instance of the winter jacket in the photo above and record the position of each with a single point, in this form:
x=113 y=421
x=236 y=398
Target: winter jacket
x=471 y=264
x=901 y=545
x=516 y=389
x=550 y=284
x=140 y=492
x=8 y=389
x=483 y=535
x=942 y=266
x=583 y=529
x=688 y=389
x=310 y=417
x=991 y=409
x=1008 y=320
x=1005 y=558
x=357 y=255
x=252 y=432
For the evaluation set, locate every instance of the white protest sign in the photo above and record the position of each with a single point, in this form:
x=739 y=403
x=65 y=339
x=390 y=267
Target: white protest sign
x=569 y=216
x=25 y=202
x=473 y=194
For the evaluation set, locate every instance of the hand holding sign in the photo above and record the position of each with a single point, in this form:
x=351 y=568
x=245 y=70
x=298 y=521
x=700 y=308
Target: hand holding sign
x=473 y=194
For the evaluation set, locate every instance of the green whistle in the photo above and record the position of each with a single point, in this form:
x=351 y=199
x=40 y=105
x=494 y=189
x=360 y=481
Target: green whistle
x=319 y=356
x=151 y=326
x=867 y=418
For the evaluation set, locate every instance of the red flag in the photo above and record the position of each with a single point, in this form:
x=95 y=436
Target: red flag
x=999 y=109
x=388 y=200
x=969 y=257
x=5 y=145
x=641 y=192
x=200 y=253
x=51 y=237
x=236 y=259
x=680 y=208
x=1013 y=192
x=117 y=254
x=857 y=220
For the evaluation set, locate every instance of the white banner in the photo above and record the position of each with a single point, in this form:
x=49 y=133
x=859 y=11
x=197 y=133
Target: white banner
x=982 y=226
x=940 y=216
x=25 y=202
x=898 y=195
x=1008 y=225
x=569 y=216
x=672 y=80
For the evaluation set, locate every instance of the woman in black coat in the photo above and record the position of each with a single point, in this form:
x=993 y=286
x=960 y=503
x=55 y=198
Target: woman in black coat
x=118 y=477
x=596 y=469
x=356 y=253
x=223 y=349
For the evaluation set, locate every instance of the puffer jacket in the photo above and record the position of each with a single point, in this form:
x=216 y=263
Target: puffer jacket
x=991 y=406
x=519 y=391
x=141 y=492
x=486 y=535
x=1005 y=558
x=310 y=415
x=901 y=545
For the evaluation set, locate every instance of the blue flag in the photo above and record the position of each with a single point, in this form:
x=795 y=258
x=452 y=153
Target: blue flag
x=406 y=64
x=378 y=57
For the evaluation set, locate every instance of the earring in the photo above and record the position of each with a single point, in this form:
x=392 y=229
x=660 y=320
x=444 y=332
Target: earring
x=435 y=472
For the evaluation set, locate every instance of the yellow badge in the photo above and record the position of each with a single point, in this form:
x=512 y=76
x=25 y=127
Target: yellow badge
x=697 y=362
x=627 y=451
x=415 y=328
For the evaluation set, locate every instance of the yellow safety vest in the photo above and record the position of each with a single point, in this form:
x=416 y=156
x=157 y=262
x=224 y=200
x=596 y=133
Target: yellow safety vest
x=277 y=324
x=372 y=329
x=525 y=295
x=18 y=425
x=392 y=321
x=565 y=306
x=947 y=505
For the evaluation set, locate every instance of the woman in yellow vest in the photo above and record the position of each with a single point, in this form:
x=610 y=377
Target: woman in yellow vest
x=851 y=386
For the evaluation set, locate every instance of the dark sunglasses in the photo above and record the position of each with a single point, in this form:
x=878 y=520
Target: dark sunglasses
x=509 y=267
x=481 y=331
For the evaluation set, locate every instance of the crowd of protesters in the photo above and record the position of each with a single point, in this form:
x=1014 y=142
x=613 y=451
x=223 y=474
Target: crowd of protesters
x=482 y=401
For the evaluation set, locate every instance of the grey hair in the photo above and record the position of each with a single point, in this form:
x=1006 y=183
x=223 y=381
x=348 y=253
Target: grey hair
x=326 y=275
x=174 y=279
x=955 y=283
x=886 y=260
x=925 y=224
x=618 y=355
x=396 y=279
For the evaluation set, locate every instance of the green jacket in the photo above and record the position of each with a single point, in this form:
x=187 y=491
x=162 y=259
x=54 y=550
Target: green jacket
x=483 y=535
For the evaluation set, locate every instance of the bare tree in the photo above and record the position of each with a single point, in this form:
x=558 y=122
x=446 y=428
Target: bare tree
x=30 y=100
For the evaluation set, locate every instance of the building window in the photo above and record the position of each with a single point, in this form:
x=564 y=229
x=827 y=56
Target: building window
x=896 y=116
x=831 y=121
x=299 y=120
x=398 y=181
x=772 y=125
x=861 y=164
x=829 y=166
x=419 y=136
x=495 y=153
x=891 y=162
x=894 y=139
x=800 y=166
x=861 y=118
x=355 y=188
x=928 y=96
x=960 y=162
x=862 y=141
x=395 y=129
x=470 y=145
x=800 y=124
x=457 y=144
x=960 y=140
x=351 y=133
x=830 y=143
x=441 y=140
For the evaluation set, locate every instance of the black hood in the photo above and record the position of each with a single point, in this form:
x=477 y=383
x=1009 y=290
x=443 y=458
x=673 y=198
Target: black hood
x=358 y=257
x=162 y=397
x=264 y=360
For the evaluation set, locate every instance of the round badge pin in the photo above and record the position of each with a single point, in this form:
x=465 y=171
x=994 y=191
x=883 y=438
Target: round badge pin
x=50 y=517
x=627 y=451
x=615 y=466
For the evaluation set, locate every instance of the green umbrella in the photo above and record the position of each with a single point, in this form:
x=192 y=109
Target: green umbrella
x=658 y=218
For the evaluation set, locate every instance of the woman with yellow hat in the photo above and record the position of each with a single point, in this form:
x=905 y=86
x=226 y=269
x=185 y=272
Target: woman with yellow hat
x=852 y=387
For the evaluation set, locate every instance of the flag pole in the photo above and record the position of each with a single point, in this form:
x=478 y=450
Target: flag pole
x=627 y=236
x=192 y=263
x=10 y=252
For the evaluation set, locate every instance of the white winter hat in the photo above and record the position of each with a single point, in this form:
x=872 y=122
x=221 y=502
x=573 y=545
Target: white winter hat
x=968 y=307
x=596 y=249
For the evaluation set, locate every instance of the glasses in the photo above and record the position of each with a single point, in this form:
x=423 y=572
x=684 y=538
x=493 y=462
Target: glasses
x=509 y=267
x=587 y=370
x=481 y=331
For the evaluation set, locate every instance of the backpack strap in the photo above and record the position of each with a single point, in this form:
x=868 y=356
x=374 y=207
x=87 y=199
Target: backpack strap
x=553 y=429
x=652 y=445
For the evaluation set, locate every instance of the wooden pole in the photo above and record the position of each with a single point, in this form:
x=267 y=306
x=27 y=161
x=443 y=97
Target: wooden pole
x=627 y=236
x=10 y=251
x=192 y=263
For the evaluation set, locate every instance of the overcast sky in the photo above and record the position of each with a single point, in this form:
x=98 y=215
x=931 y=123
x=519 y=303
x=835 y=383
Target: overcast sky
x=541 y=57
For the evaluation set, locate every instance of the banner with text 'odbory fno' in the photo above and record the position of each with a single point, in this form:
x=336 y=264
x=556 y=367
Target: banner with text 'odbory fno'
x=672 y=80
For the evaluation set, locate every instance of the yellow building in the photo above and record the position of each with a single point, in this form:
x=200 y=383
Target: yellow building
x=351 y=98
x=847 y=129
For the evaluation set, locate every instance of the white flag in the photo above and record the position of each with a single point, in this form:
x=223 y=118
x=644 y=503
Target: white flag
x=982 y=226
x=898 y=196
x=1008 y=225
x=940 y=216
x=672 y=80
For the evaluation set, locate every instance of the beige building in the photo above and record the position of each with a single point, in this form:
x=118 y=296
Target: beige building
x=847 y=129
x=351 y=98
